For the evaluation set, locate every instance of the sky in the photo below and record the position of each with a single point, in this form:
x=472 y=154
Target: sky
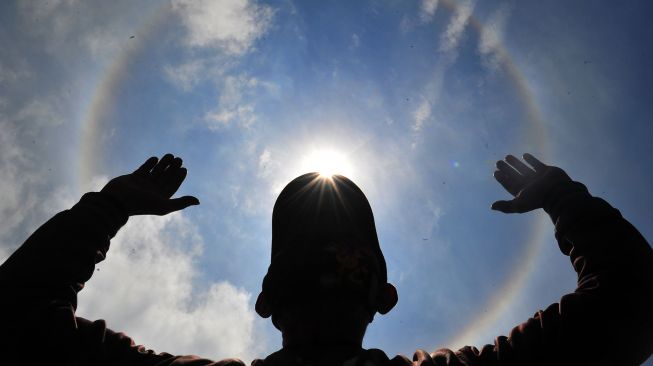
x=413 y=100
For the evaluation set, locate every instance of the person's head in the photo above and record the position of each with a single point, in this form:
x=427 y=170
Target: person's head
x=327 y=276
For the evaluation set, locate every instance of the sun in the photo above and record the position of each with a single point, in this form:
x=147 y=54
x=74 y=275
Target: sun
x=327 y=162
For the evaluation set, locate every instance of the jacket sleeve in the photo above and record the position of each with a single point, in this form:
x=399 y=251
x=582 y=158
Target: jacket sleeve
x=39 y=283
x=608 y=319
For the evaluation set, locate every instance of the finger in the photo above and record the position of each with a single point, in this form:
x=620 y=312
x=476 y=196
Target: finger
x=177 y=204
x=400 y=360
x=421 y=357
x=509 y=184
x=162 y=165
x=508 y=171
x=171 y=175
x=175 y=164
x=534 y=162
x=172 y=181
x=504 y=206
x=522 y=168
x=231 y=362
x=147 y=166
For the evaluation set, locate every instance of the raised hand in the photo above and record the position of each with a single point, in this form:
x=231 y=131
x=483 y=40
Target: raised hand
x=148 y=190
x=530 y=185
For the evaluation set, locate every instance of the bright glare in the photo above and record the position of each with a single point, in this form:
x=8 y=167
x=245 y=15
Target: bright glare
x=327 y=163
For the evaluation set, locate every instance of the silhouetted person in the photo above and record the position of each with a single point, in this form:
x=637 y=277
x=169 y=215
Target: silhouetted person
x=327 y=278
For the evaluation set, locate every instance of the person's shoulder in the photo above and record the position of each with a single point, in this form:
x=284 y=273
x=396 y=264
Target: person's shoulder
x=441 y=357
x=377 y=357
x=367 y=357
x=229 y=362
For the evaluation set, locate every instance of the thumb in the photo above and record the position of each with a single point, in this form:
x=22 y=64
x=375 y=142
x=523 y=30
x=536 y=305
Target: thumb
x=177 y=204
x=505 y=206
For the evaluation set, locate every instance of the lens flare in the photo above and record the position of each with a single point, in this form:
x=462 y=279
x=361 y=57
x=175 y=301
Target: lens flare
x=327 y=163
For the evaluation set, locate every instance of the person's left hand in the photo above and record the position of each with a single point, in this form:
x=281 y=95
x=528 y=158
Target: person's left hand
x=148 y=190
x=530 y=185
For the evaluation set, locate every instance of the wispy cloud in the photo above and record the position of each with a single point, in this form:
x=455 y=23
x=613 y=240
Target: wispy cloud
x=42 y=112
x=11 y=75
x=266 y=164
x=491 y=38
x=231 y=26
x=186 y=75
x=223 y=116
x=427 y=10
x=234 y=104
x=26 y=170
x=66 y=27
x=429 y=221
x=152 y=267
x=18 y=183
x=149 y=272
x=355 y=41
x=421 y=114
x=449 y=43
x=452 y=35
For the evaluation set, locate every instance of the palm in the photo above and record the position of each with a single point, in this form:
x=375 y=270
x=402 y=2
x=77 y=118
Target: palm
x=528 y=184
x=149 y=189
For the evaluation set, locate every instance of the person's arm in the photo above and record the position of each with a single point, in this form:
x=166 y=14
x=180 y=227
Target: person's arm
x=40 y=281
x=608 y=319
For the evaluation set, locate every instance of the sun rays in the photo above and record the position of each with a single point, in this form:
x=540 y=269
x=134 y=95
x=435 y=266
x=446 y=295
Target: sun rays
x=327 y=162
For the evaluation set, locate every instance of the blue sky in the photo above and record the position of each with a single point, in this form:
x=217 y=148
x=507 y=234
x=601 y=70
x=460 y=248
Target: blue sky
x=416 y=99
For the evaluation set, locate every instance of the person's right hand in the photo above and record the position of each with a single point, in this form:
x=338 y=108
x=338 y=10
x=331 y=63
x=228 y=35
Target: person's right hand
x=148 y=190
x=530 y=185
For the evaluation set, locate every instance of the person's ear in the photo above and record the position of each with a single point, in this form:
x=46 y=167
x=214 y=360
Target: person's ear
x=262 y=306
x=387 y=298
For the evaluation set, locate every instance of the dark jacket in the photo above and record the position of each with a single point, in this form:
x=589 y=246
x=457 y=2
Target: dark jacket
x=608 y=320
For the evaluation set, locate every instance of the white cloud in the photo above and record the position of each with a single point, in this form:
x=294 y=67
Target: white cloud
x=41 y=112
x=235 y=87
x=27 y=197
x=491 y=38
x=38 y=109
x=427 y=10
x=145 y=288
x=16 y=199
x=449 y=42
x=231 y=26
x=430 y=219
x=406 y=24
x=451 y=37
x=10 y=75
x=264 y=159
x=267 y=164
x=422 y=113
x=186 y=75
x=355 y=41
x=234 y=103
x=68 y=26
x=27 y=184
x=196 y=70
x=223 y=117
x=104 y=41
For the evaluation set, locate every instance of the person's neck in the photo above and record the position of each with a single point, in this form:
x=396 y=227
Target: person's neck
x=322 y=345
x=326 y=353
x=337 y=337
x=337 y=334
